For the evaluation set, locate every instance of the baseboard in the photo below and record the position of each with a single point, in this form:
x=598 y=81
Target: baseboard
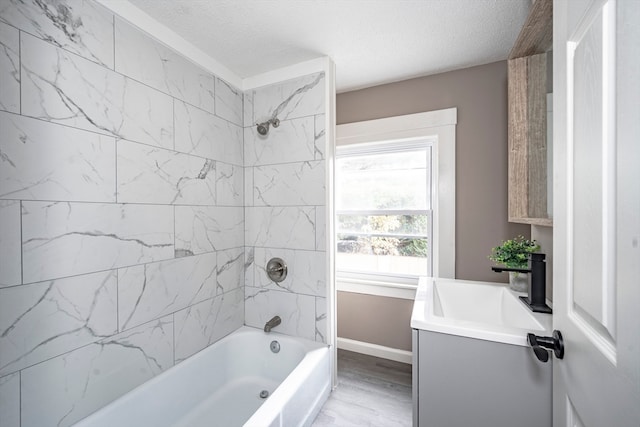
x=376 y=350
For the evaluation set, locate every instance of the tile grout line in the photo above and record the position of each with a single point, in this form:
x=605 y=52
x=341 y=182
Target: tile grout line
x=20 y=397
x=121 y=267
x=96 y=341
x=21 y=245
x=20 y=70
x=173 y=317
x=116 y=143
x=113 y=27
x=93 y=202
x=173 y=113
x=117 y=300
x=110 y=135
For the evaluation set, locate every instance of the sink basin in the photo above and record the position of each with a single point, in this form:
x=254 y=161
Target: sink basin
x=481 y=310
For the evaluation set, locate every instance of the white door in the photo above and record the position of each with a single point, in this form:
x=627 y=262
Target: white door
x=597 y=212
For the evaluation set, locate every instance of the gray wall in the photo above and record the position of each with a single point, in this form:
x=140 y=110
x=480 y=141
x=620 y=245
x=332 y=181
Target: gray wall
x=375 y=319
x=480 y=94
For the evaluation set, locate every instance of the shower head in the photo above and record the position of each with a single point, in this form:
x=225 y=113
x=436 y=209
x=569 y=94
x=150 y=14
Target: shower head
x=263 y=128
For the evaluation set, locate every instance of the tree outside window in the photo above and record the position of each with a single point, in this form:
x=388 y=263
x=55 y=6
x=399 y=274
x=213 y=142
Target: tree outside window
x=383 y=206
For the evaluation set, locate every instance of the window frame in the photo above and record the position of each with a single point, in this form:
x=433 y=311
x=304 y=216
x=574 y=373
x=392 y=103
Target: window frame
x=441 y=125
x=390 y=147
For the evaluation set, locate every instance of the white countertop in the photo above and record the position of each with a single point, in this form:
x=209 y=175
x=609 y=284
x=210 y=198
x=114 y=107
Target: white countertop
x=482 y=310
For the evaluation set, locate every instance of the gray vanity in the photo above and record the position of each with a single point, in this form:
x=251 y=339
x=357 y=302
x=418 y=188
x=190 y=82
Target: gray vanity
x=472 y=364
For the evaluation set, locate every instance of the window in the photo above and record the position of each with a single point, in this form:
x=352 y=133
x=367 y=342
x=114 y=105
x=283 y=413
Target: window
x=383 y=208
x=395 y=202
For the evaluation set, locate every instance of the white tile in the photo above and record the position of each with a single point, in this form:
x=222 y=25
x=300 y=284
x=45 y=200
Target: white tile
x=299 y=97
x=9 y=69
x=10 y=243
x=321 y=320
x=150 y=291
x=296 y=311
x=81 y=26
x=281 y=227
x=67 y=388
x=146 y=60
x=230 y=264
x=63 y=88
x=321 y=228
x=46 y=319
x=45 y=161
x=249 y=265
x=229 y=185
x=290 y=184
x=228 y=102
x=248 y=186
x=149 y=174
x=306 y=271
x=205 y=229
x=206 y=135
x=247 y=109
x=10 y=400
x=64 y=239
x=202 y=324
x=292 y=141
x=320 y=139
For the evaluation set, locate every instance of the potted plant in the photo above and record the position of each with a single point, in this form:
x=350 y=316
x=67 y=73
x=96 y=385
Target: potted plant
x=514 y=253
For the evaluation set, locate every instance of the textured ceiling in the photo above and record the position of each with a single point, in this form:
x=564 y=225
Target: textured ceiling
x=371 y=41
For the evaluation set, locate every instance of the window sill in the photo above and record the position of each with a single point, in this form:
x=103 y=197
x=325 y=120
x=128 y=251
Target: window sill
x=378 y=288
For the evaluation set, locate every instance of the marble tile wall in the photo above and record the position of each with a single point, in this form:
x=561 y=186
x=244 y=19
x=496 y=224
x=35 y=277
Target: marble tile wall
x=284 y=196
x=121 y=210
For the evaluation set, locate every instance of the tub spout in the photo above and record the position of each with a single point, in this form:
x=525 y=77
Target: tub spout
x=275 y=321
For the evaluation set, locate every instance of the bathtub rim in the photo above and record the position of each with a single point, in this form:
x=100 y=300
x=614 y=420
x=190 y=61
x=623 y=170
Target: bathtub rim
x=317 y=348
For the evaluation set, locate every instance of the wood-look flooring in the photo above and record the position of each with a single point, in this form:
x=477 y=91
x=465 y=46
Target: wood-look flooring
x=370 y=392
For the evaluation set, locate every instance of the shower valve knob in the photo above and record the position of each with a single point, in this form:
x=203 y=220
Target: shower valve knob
x=276 y=269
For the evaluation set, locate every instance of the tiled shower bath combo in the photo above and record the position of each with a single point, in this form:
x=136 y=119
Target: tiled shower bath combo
x=139 y=207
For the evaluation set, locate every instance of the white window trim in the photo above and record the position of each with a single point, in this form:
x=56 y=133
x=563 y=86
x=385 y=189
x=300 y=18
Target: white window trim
x=439 y=123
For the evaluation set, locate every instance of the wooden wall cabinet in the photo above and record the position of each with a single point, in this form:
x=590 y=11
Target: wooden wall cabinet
x=527 y=83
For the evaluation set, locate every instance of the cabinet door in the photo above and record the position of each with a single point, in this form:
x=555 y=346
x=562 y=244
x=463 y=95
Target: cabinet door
x=470 y=382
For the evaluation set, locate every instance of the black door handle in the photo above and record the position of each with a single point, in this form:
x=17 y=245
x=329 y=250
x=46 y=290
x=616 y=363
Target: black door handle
x=554 y=342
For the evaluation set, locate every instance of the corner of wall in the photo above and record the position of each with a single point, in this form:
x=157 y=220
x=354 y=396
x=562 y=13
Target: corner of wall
x=286 y=181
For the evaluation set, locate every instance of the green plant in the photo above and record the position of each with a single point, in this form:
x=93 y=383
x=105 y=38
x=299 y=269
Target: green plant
x=514 y=253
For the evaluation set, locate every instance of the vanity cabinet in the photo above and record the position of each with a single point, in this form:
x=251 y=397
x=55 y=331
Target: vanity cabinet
x=472 y=363
x=461 y=381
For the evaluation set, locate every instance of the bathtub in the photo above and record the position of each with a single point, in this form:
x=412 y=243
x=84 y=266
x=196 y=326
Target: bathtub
x=221 y=386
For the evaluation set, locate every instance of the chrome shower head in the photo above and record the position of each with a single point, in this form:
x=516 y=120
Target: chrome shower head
x=263 y=128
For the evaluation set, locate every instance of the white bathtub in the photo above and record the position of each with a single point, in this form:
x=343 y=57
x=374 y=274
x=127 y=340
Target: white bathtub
x=220 y=386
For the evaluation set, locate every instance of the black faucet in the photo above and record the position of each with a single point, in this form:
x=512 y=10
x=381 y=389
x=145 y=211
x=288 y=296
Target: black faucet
x=536 y=300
